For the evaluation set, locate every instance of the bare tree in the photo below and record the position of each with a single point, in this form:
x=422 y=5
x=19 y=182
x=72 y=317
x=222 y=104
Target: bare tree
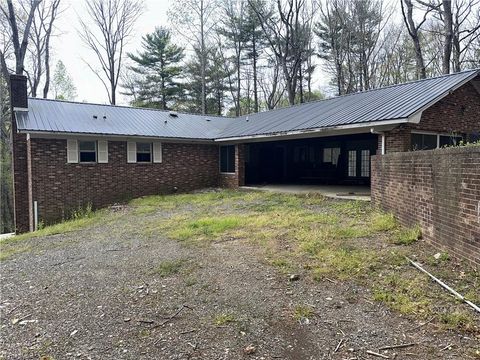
x=19 y=46
x=288 y=33
x=414 y=32
x=194 y=20
x=111 y=24
x=42 y=27
x=466 y=30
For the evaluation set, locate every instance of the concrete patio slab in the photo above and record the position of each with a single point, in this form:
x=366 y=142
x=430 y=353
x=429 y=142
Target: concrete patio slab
x=350 y=192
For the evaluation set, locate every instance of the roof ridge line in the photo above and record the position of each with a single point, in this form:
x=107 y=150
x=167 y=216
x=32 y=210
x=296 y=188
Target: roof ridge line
x=365 y=91
x=129 y=107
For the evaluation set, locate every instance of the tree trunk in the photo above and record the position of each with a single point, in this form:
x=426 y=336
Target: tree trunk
x=202 y=60
x=255 y=86
x=448 y=29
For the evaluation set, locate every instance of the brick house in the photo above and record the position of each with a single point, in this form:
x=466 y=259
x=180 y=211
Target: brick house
x=69 y=154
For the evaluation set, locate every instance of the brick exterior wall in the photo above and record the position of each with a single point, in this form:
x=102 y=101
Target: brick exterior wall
x=437 y=189
x=234 y=180
x=59 y=187
x=456 y=113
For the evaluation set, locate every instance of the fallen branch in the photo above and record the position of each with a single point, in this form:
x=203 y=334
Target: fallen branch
x=377 y=354
x=399 y=346
x=422 y=324
x=446 y=347
x=440 y=282
x=338 y=346
x=173 y=316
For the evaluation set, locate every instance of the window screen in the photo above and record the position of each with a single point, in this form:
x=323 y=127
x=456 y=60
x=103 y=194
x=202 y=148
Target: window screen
x=227 y=158
x=144 y=152
x=424 y=141
x=365 y=169
x=352 y=163
x=87 y=151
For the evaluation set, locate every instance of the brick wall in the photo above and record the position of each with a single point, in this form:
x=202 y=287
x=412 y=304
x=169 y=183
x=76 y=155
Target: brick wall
x=437 y=189
x=59 y=187
x=456 y=113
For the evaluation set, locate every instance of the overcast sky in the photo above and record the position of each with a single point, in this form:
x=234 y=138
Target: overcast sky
x=68 y=47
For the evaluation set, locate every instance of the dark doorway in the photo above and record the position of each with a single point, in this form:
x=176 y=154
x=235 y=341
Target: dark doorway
x=325 y=160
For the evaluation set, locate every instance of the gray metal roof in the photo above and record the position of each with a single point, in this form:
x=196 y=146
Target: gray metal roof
x=396 y=102
x=71 y=117
x=388 y=103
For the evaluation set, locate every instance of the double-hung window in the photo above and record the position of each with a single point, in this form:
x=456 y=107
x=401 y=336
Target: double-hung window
x=87 y=151
x=227 y=159
x=144 y=152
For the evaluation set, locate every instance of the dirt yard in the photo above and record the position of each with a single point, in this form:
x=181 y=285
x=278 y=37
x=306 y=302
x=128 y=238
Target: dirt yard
x=232 y=275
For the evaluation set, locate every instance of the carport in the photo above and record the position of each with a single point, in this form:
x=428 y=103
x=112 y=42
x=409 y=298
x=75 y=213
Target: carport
x=333 y=160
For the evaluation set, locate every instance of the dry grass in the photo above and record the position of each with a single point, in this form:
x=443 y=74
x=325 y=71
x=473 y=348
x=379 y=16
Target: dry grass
x=343 y=240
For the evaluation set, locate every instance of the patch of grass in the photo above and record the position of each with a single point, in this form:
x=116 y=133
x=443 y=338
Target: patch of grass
x=345 y=263
x=144 y=333
x=207 y=227
x=7 y=251
x=383 y=222
x=282 y=264
x=83 y=219
x=302 y=312
x=190 y=281
x=457 y=320
x=169 y=268
x=407 y=236
x=408 y=296
x=224 y=319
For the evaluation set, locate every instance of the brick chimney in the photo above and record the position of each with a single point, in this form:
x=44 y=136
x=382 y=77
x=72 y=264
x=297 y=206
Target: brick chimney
x=18 y=91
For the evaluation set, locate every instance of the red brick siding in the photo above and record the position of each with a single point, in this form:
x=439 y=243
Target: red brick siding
x=458 y=112
x=437 y=189
x=60 y=187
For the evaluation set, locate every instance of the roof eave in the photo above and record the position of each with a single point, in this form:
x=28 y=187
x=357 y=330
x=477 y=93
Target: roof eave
x=117 y=137
x=372 y=126
x=417 y=114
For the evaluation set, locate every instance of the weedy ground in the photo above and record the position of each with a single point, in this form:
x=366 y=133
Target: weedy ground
x=347 y=247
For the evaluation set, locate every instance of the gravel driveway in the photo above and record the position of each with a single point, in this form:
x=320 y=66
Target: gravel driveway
x=110 y=292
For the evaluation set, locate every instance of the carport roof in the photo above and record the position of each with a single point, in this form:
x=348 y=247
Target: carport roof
x=391 y=104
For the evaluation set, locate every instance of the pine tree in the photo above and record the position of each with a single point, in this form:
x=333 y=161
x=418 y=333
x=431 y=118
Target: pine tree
x=159 y=69
x=63 y=86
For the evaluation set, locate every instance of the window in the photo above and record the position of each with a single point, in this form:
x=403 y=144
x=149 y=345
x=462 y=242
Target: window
x=227 y=159
x=87 y=151
x=433 y=141
x=446 y=140
x=352 y=163
x=365 y=168
x=144 y=152
x=424 y=141
x=330 y=155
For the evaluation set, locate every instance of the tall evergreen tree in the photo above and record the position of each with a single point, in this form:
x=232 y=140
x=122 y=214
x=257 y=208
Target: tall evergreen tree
x=159 y=69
